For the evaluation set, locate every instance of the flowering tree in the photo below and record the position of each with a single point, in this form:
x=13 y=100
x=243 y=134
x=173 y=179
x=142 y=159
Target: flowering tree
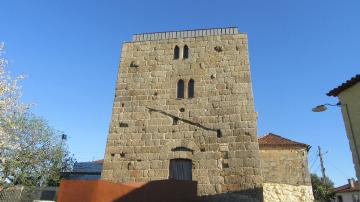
x=37 y=153
x=10 y=94
x=31 y=152
x=9 y=90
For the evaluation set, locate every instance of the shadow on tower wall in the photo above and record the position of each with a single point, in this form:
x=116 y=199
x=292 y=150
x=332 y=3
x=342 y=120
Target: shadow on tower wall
x=153 y=191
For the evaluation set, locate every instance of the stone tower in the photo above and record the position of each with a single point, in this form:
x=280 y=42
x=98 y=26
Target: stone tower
x=184 y=110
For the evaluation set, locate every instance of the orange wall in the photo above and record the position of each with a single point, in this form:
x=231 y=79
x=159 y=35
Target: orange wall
x=103 y=191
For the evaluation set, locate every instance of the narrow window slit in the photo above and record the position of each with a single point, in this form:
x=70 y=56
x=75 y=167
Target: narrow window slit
x=176 y=52
x=186 y=52
x=218 y=133
x=175 y=121
x=180 y=89
x=225 y=165
x=123 y=125
x=191 y=86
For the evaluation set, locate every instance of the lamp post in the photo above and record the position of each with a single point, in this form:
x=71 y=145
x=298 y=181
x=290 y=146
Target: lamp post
x=321 y=108
x=63 y=138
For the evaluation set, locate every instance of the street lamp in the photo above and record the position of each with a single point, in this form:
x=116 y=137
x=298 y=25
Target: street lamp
x=321 y=108
x=63 y=137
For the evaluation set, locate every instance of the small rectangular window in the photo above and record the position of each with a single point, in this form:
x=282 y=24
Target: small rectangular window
x=339 y=199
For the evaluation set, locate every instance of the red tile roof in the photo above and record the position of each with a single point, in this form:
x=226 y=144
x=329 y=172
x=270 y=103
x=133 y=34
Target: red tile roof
x=347 y=188
x=276 y=140
x=100 y=161
x=336 y=91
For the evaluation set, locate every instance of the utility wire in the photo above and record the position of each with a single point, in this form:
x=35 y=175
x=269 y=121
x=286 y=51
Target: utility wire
x=317 y=169
x=314 y=161
x=345 y=175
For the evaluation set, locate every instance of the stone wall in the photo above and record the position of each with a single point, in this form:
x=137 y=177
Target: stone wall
x=285 y=165
x=285 y=174
x=216 y=129
x=274 y=192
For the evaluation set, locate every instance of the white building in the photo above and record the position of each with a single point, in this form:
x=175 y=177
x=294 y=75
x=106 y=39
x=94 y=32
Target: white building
x=348 y=193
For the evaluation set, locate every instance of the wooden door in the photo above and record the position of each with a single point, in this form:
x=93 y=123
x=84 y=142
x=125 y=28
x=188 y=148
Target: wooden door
x=180 y=169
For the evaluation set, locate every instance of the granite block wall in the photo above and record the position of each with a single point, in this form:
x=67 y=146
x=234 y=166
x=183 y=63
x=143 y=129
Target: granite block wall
x=216 y=129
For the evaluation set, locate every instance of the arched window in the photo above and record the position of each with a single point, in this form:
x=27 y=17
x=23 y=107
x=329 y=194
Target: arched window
x=176 y=52
x=180 y=89
x=191 y=88
x=186 y=52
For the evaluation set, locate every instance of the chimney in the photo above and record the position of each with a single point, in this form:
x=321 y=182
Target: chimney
x=351 y=182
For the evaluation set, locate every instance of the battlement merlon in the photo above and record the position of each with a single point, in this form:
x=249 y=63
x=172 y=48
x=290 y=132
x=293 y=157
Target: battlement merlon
x=185 y=34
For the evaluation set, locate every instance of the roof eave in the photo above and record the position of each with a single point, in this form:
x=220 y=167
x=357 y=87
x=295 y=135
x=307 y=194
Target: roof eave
x=336 y=91
x=307 y=147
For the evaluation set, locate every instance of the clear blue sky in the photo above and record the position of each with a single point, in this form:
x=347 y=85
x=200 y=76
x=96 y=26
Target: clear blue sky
x=299 y=50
